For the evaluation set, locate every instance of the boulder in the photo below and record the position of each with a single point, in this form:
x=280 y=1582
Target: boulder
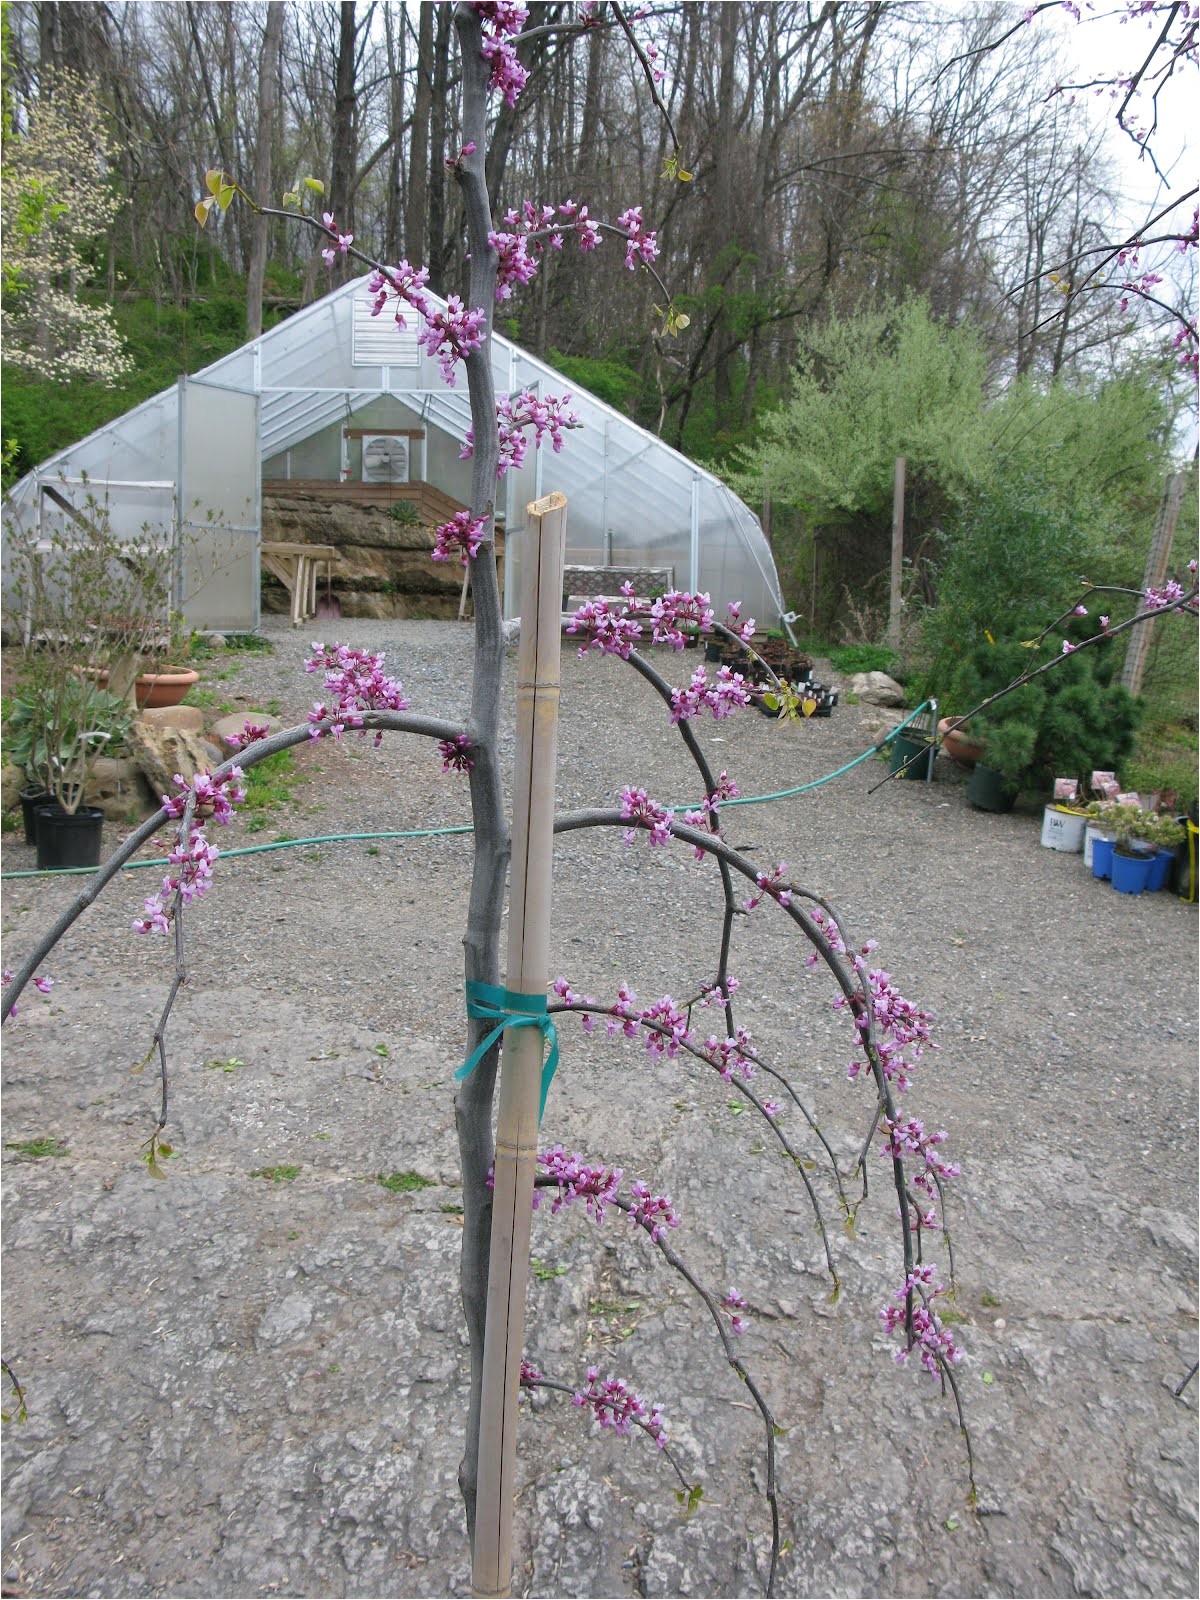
x=189 y=718
x=877 y=689
x=222 y=730
x=117 y=786
x=12 y=781
x=162 y=752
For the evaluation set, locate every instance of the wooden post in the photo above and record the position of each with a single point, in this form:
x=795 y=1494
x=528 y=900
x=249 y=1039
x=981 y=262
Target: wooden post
x=521 y=1059
x=1156 y=570
x=894 y=599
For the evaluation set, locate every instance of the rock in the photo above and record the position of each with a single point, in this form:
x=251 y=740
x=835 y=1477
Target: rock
x=189 y=718
x=225 y=727
x=877 y=689
x=12 y=781
x=162 y=752
x=118 y=787
x=217 y=641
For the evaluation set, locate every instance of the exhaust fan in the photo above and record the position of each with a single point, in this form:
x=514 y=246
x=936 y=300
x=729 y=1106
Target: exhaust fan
x=384 y=458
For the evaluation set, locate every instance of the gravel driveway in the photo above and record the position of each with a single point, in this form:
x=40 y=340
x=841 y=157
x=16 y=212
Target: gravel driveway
x=240 y=1385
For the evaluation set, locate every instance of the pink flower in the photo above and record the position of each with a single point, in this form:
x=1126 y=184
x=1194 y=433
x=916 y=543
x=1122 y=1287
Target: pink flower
x=463 y=533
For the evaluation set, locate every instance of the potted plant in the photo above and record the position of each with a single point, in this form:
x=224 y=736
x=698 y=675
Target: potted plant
x=1072 y=719
x=1140 y=847
x=60 y=725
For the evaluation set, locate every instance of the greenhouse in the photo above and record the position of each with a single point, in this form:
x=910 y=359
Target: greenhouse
x=344 y=410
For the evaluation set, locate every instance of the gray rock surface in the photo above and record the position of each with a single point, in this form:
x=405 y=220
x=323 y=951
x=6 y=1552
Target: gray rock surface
x=248 y=1385
x=877 y=689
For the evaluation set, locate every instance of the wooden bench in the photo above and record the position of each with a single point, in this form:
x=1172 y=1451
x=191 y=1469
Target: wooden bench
x=604 y=583
x=295 y=565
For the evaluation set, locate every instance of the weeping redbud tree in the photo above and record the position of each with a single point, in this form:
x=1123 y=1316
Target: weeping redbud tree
x=887 y=1033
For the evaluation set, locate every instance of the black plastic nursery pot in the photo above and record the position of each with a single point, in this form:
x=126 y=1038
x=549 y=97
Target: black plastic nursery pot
x=68 y=838
x=987 y=790
x=31 y=799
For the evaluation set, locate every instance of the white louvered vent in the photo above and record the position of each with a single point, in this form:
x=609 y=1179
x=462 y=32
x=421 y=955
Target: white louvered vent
x=378 y=342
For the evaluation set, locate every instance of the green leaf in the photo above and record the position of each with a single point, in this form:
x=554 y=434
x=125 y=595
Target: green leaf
x=202 y=211
x=225 y=196
x=315 y=185
x=214 y=178
x=291 y=198
x=989 y=1377
x=950 y=1524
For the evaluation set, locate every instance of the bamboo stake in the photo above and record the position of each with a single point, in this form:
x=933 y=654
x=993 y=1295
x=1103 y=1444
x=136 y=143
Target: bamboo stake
x=521 y=1059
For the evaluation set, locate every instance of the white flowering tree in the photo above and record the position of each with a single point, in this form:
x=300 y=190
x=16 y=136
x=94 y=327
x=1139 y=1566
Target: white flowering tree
x=56 y=201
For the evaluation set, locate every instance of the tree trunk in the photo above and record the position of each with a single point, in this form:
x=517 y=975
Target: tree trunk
x=341 y=186
x=268 y=70
x=416 y=213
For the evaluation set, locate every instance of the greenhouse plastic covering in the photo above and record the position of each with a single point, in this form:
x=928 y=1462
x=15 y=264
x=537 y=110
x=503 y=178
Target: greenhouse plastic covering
x=183 y=470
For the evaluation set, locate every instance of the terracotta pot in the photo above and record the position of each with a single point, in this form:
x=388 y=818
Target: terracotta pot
x=959 y=745
x=154 y=689
x=165 y=688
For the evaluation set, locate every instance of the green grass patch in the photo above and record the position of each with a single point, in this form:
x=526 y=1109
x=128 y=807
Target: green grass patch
x=850 y=658
x=208 y=700
x=36 y=1149
x=403 y=1182
x=282 y=1174
x=269 y=786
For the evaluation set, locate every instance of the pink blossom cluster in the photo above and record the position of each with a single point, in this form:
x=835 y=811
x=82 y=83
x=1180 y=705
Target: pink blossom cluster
x=42 y=984
x=344 y=240
x=901 y=1028
x=728 y=693
x=910 y=1138
x=637 y=806
x=773 y=883
x=463 y=533
x=934 y=1343
x=731 y=1056
x=407 y=283
x=715 y=994
x=251 y=733
x=654 y=1212
x=456 y=753
x=501 y=19
x=587 y=231
x=548 y=414
x=192 y=858
x=215 y=797
x=355 y=682
x=611 y=630
x=1168 y=595
x=664 y=1023
x=596 y=1186
x=614 y=1405
x=450 y=336
x=735 y=1303
x=733 y=613
x=668 y=1028
x=833 y=938
x=674 y=611
x=641 y=244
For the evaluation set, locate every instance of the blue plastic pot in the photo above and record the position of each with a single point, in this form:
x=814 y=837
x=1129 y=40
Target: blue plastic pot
x=1102 y=857
x=1160 y=865
x=1130 y=874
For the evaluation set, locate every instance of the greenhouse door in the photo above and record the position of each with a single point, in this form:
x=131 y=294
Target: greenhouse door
x=220 y=507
